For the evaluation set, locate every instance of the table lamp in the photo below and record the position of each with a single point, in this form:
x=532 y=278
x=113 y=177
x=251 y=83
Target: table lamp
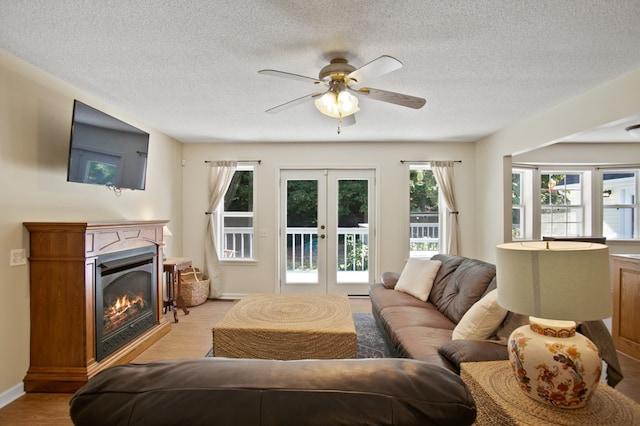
x=556 y=283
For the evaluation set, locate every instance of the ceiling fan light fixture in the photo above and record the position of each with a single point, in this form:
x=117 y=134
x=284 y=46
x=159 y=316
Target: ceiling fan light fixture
x=347 y=102
x=337 y=105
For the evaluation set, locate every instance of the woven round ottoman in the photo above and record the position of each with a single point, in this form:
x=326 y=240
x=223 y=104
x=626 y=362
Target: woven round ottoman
x=286 y=327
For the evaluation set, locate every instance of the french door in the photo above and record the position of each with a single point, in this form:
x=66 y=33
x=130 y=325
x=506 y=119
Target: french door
x=326 y=231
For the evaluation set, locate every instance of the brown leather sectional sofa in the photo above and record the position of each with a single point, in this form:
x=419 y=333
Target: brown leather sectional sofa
x=422 y=330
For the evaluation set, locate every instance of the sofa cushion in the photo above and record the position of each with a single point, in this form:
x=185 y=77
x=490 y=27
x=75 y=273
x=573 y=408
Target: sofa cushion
x=481 y=320
x=417 y=277
x=449 y=264
x=398 y=317
x=382 y=298
x=422 y=343
x=459 y=351
x=267 y=392
x=464 y=287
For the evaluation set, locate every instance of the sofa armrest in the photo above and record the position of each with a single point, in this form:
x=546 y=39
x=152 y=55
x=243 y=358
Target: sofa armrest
x=390 y=279
x=459 y=351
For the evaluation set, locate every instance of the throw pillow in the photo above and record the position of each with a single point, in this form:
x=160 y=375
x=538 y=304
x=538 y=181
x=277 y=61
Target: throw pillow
x=482 y=319
x=417 y=277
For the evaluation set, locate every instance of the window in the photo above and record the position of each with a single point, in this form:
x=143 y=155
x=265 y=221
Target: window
x=517 y=207
x=575 y=202
x=424 y=218
x=237 y=216
x=561 y=204
x=619 y=204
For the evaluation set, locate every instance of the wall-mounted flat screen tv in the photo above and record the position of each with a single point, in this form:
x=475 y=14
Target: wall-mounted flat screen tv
x=106 y=151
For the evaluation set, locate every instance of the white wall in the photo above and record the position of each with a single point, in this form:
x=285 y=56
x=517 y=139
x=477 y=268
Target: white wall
x=35 y=123
x=392 y=187
x=612 y=101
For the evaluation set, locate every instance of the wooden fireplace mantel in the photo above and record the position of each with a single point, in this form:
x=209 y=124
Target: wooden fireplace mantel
x=62 y=266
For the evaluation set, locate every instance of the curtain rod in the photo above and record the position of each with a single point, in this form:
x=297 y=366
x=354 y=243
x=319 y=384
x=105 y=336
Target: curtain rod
x=238 y=161
x=618 y=166
x=426 y=161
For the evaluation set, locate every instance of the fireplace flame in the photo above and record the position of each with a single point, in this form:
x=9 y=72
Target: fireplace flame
x=123 y=309
x=122 y=304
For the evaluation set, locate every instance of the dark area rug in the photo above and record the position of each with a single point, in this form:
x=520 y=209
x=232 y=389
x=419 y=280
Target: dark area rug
x=370 y=343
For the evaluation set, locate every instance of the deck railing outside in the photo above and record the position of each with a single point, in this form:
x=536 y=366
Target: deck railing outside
x=353 y=249
x=424 y=234
x=353 y=245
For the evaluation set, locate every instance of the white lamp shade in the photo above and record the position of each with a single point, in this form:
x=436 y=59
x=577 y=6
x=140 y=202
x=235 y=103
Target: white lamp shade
x=555 y=279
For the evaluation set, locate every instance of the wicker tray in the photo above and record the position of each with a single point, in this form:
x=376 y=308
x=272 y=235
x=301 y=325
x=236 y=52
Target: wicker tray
x=195 y=286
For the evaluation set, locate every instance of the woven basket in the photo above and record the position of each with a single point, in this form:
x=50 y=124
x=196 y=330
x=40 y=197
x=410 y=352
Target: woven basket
x=195 y=286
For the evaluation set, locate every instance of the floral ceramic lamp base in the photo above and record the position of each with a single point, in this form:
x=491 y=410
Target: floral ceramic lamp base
x=553 y=364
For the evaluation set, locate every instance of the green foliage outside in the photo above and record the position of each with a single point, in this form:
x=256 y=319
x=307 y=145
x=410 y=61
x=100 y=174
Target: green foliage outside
x=353 y=200
x=302 y=203
x=553 y=190
x=423 y=191
x=357 y=255
x=239 y=196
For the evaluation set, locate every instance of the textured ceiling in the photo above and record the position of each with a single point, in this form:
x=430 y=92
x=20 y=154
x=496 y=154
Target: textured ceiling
x=189 y=68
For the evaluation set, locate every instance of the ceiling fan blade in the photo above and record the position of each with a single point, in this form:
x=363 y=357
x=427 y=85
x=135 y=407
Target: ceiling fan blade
x=291 y=76
x=292 y=103
x=380 y=66
x=391 y=97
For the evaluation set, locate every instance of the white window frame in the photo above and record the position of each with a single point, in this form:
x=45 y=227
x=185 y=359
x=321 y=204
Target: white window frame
x=585 y=225
x=635 y=223
x=221 y=215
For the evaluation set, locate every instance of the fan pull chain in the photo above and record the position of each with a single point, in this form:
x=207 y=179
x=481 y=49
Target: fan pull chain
x=339 y=122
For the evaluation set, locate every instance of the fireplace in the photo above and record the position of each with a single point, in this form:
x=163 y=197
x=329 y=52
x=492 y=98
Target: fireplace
x=125 y=298
x=73 y=265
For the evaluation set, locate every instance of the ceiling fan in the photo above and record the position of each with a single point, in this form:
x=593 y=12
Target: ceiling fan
x=340 y=82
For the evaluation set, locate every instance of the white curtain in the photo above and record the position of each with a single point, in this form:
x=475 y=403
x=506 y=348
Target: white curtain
x=443 y=172
x=220 y=175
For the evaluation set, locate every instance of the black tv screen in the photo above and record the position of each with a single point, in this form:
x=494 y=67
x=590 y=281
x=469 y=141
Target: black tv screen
x=106 y=151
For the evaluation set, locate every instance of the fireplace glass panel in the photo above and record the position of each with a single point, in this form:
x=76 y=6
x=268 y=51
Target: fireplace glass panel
x=125 y=298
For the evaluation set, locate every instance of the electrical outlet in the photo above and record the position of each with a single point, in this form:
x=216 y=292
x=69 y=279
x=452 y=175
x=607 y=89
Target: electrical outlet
x=17 y=257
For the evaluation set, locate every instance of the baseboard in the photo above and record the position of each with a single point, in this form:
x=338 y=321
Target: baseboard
x=11 y=394
x=237 y=296
x=231 y=296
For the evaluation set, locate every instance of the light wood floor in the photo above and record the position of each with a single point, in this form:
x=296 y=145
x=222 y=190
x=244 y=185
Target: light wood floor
x=191 y=337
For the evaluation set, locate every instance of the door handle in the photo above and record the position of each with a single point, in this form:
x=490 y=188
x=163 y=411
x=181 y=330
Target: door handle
x=321 y=235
